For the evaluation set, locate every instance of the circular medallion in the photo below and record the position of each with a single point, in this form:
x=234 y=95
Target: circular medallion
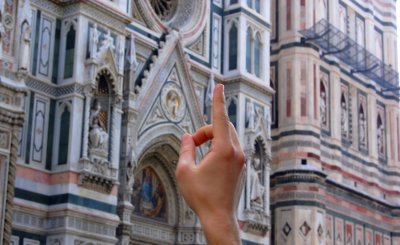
x=8 y=21
x=164 y=9
x=173 y=103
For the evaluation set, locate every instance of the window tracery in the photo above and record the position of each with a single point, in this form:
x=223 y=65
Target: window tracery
x=164 y=8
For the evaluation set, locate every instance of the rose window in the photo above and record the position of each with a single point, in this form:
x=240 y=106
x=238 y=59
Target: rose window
x=164 y=8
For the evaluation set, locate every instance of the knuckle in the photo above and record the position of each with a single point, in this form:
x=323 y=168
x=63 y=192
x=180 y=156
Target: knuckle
x=240 y=157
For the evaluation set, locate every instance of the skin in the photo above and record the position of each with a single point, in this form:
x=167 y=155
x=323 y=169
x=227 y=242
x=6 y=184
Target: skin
x=211 y=188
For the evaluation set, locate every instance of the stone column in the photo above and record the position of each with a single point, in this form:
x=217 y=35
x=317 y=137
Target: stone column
x=86 y=115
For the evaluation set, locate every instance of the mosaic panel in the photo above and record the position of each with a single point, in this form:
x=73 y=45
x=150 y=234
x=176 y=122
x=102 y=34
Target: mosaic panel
x=148 y=197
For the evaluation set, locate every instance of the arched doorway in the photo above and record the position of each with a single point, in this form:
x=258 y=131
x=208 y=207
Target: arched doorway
x=158 y=207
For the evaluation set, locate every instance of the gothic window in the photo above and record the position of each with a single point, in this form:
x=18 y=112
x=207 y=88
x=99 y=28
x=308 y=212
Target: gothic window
x=64 y=137
x=233 y=47
x=257 y=55
x=257 y=6
x=250 y=3
x=362 y=123
x=232 y=112
x=380 y=132
x=289 y=89
x=249 y=44
x=344 y=116
x=69 y=53
x=324 y=101
x=303 y=90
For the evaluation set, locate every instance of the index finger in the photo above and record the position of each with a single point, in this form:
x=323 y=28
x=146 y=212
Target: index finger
x=220 y=116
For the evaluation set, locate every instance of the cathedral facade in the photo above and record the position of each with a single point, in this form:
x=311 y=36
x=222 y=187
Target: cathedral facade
x=95 y=94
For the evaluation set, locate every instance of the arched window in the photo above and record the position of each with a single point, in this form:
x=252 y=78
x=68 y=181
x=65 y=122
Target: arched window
x=380 y=133
x=249 y=44
x=64 y=137
x=250 y=3
x=344 y=117
x=257 y=55
x=257 y=6
x=323 y=106
x=362 y=125
x=232 y=112
x=233 y=43
x=69 y=53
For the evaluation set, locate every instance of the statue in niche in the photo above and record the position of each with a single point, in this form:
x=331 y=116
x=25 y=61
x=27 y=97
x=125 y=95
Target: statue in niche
x=129 y=175
x=98 y=136
x=380 y=137
x=363 y=128
x=268 y=122
x=108 y=42
x=256 y=186
x=94 y=41
x=250 y=115
x=322 y=108
x=131 y=54
x=25 y=47
x=344 y=118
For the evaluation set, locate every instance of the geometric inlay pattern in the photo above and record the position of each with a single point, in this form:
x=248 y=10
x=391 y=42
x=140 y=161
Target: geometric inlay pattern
x=286 y=229
x=305 y=229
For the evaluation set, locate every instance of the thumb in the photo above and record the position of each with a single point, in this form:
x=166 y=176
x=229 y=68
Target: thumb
x=187 y=155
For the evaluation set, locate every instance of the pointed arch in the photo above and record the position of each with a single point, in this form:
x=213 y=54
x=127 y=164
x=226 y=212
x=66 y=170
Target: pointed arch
x=249 y=49
x=257 y=54
x=69 y=56
x=233 y=47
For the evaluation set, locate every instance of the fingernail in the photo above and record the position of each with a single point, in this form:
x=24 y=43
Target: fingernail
x=184 y=138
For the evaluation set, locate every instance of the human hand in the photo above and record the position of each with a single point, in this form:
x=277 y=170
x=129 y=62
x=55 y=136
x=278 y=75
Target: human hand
x=211 y=188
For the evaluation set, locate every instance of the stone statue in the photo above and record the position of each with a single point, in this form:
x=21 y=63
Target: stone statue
x=256 y=187
x=25 y=47
x=121 y=53
x=129 y=175
x=268 y=122
x=250 y=114
x=344 y=119
x=322 y=108
x=380 y=138
x=131 y=55
x=94 y=41
x=108 y=42
x=98 y=136
x=363 y=130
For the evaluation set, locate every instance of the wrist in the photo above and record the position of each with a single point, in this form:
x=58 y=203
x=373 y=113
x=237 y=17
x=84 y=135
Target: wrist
x=220 y=228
